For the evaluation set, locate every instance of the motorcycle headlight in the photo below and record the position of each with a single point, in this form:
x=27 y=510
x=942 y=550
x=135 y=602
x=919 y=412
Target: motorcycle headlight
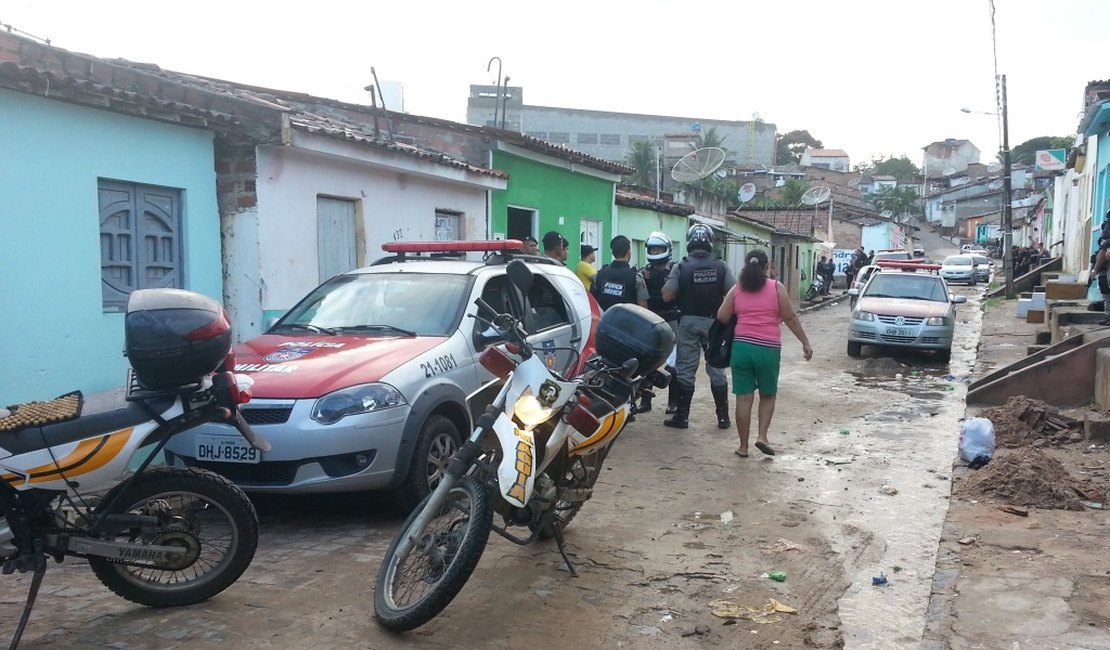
x=530 y=412
x=364 y=398
x=863 y=315
x=937 y=320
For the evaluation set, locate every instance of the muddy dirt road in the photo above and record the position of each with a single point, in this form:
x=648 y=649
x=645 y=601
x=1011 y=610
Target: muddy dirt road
x=858 y=489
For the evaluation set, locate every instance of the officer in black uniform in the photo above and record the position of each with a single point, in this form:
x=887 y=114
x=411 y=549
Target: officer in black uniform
x=697 y=284
x=655 y=276
x=617 y=282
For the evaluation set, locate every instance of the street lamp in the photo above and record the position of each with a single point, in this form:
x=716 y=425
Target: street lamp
x=1007 y=189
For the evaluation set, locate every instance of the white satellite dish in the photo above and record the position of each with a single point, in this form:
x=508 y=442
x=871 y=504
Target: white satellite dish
x=887 y=213
x=949 y=171
x=746 y=193
x=698 y=164
x=995 y=185
x=994 y=168
x=816 y=195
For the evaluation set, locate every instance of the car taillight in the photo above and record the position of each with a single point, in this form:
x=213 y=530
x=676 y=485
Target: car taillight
x=497 y=362
x=582 y=420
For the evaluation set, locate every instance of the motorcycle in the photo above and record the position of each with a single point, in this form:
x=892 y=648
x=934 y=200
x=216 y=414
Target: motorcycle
x=818 y=287
x=533 y=457
x=157 y=536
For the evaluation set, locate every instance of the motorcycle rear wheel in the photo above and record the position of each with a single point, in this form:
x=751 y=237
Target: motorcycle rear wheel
x=206 y=515
x=412 y=590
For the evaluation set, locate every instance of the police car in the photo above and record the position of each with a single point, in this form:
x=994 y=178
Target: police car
x=363 y=384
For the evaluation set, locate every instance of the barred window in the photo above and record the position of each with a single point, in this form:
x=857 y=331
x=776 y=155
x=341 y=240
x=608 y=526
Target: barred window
x=610 y=138
x=587 y=138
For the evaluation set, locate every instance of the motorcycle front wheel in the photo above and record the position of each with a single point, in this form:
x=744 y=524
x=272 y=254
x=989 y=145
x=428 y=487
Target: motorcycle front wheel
x=210 y=519
x=414 y=588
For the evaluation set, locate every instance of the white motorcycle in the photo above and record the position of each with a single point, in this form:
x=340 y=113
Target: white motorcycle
x=76 y=477
x=533 y=457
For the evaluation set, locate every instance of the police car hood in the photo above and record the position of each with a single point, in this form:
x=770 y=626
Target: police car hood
x=902 y=307
x=284 y=367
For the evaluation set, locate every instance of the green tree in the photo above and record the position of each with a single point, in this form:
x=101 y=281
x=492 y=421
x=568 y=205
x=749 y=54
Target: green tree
x=899 y=200
x=641 y=156
x=790 y=194
x=790 y=146
x=901 y=168
x=710 y=138
x=713 y=184
x=1025 y=153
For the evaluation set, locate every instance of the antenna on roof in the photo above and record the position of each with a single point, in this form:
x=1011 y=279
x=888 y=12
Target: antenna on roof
x=816 y=195
x=746 y=192
x=388 y=126
x=949 y=171
x=698 y=164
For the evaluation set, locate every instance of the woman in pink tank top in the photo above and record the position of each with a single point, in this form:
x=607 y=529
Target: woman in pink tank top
x=759 y=303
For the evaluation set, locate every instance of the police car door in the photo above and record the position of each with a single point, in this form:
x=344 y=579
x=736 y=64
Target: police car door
x=551 y=325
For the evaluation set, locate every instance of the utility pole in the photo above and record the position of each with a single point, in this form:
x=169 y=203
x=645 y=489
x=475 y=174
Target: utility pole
x=1007 y=197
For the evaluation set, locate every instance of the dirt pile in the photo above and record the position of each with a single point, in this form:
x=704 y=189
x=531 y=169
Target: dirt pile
x=1029 y=477
x=1025 y=421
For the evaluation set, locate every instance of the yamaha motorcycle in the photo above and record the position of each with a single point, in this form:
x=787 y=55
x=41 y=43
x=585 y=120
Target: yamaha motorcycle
x=77 y=476
x=532 y=460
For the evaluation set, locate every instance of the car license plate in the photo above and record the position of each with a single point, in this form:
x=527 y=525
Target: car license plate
x=226 y=449
x=899 y=331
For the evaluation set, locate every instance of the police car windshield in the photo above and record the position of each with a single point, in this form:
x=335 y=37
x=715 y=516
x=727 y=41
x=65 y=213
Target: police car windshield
x=910 y=286
x=383 y=304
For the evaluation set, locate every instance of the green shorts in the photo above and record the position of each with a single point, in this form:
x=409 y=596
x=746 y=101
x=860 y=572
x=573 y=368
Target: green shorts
x=755 y=367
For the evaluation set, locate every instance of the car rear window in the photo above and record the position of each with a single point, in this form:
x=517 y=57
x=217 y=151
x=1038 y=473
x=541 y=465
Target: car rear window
x=429 y=304
x=956 y=260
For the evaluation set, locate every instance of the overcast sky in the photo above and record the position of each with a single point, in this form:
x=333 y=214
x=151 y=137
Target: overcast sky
x=871 y=77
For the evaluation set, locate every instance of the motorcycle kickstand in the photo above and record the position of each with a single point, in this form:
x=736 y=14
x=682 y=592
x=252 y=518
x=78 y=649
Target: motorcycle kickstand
x=563 y=551
x=32 y=594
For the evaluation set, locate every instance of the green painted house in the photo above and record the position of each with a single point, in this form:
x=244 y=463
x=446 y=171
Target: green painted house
x=551 y=187
x=640 y=213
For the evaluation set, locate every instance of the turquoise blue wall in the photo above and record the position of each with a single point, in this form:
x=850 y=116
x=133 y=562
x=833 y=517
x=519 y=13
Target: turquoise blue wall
x=51 y=156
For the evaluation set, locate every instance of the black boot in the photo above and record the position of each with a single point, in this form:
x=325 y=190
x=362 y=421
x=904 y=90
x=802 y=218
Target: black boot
x=672 y=392
x=681 y=417
x=720 y=398
x=645 y=403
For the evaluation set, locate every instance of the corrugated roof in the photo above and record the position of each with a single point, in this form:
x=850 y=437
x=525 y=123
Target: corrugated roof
x=827 y=153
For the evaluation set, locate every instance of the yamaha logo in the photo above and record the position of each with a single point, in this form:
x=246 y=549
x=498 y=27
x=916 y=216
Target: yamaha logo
x=900 y=320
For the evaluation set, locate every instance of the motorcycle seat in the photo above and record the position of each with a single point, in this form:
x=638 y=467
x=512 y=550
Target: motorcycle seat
x=101 y=413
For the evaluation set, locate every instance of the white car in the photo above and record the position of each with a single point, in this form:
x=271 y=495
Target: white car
x=974 y=249
x=363 y=385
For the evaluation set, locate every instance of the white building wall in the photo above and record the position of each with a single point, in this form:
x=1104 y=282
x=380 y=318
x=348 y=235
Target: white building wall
x=391 y=206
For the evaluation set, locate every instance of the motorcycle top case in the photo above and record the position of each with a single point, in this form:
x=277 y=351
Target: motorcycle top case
x=174 y=337
x=628 y=331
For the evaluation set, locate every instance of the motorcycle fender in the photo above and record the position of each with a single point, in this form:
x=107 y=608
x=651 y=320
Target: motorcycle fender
x=516 y=474
x=611 y=425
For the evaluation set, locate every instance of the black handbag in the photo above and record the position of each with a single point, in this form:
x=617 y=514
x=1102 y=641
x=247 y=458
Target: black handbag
x=718 y=346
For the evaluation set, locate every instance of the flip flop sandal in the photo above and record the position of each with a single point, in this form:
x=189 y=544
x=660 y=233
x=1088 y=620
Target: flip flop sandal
x=737 y=452
x=765 y=448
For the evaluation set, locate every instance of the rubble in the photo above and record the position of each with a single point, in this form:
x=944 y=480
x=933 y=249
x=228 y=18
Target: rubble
x=1025 y=421
x=1029 y=478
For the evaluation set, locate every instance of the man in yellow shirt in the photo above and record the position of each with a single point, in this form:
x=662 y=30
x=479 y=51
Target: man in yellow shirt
x=585 y=269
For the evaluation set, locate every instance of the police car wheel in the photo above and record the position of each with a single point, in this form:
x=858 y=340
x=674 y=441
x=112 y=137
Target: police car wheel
x=437 y=443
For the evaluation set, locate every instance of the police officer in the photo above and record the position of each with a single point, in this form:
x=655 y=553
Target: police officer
x=617 y=281
x=655 y=276
x=697 y=284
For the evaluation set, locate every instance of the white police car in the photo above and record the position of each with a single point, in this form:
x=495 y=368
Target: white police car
x=363 y=384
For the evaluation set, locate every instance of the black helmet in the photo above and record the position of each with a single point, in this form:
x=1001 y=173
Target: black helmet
x=699 y=237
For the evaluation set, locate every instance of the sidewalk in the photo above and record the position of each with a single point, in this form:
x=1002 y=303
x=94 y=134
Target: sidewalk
x=1026 y=577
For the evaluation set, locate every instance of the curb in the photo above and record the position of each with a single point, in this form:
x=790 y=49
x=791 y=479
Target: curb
x=824 y=303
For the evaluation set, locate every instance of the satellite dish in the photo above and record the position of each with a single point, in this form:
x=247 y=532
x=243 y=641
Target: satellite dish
x=949 y=171
x=887 y=213
x=995 y=185
x=994 y=168
x=816 y=195
x=698 y=164
x=746 y=193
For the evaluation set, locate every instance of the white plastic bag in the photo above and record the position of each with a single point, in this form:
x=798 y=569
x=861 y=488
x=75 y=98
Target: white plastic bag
x=976 y=439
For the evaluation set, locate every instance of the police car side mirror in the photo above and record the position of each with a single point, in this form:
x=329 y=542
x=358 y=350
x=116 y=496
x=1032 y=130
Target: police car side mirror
x=853 y=292
x=959 y=300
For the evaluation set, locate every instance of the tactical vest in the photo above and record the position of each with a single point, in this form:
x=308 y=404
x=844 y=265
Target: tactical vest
x=655 y=278
x=614 y=283
x=701 y=285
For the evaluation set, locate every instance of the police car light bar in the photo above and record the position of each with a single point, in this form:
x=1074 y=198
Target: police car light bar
x=903 y=264
x=453 y=246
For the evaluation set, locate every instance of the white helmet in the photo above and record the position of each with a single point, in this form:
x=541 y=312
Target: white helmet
x=655 y=240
